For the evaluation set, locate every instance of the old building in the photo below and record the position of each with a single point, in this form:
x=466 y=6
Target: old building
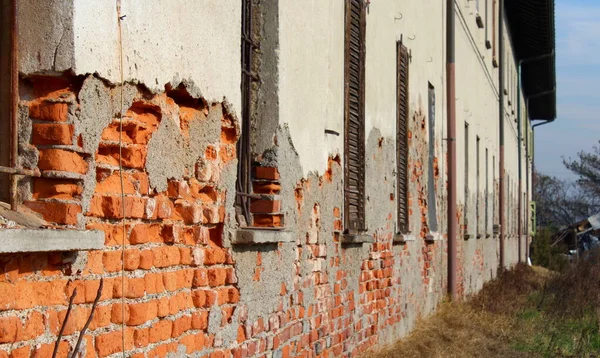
x=251 y=177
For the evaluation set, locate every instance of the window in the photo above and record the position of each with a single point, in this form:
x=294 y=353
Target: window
x=354 y=117
x=488 y=44
x=477 y=218
x=466 y=207
x=402 y=134
x=5 y=97
x=494 y=190
x=244 y=184
x=431 y=201
x=494 y=60
x=478 y=18
x=487 y=193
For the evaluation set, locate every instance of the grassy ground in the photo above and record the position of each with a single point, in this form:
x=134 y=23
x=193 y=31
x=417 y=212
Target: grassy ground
x=527 y=312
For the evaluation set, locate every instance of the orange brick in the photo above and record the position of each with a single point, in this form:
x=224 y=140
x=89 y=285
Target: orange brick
x=200 y=320
x=112 y=261
x=142 y=312
x=266 y=173
x=49 y=111
x=200 y=277
x=102 y=317
x=163 y=307
x=112 y=184
x=45 y=350
x=132 y=156
x=160 y=331
x=135 y=288
x=52 y=133
x=32 y=328
x=140 y=337
x=62 y=160
x=214 y=256
x=154 y=283
x=144 y=233
x=9 y=327
x=181 y=325
x=217 y=276
x=56 y=189
x=110 y=343
x=23 y=352
x=119 y=313
x=132 y=259
x=56 y=212
x=199 y=298
x=166 y=256
x=146 y=260
x=265 y=206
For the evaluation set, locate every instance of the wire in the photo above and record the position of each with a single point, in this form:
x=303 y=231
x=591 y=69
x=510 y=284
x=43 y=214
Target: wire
x=120 y=18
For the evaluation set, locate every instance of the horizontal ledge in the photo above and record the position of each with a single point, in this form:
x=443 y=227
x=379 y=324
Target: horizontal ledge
x=249 y=236
x=356 y=239
x=400 y=238
x=44 y=240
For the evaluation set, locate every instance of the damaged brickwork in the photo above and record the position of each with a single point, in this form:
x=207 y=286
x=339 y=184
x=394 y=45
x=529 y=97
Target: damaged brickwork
x=188 y=289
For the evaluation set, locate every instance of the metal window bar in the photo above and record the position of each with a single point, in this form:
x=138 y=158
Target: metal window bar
x=12 y=101
x=244 y=182
x=431 y=201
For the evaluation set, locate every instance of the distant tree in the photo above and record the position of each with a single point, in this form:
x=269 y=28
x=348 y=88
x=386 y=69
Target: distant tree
x=587 y=167
x=560 y=203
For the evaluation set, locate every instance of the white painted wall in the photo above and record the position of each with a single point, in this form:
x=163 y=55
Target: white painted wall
x=311 y=75
x=162 y=41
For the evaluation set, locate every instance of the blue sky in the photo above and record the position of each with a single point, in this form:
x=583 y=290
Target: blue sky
x=577 y=126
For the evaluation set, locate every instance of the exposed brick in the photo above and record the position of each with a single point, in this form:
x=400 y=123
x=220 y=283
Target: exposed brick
x=269 y=173
x=217 y=276
x=160 y=331
x=56 y=211
x=8 y=329
x=62 y=160
x=56 y=189
x=111 y=342
x=52 y=133
x=142 y=312
x=265 y=206
x=49 y=111
x=132 y=259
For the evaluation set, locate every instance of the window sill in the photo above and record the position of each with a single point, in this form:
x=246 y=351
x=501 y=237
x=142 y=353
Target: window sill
x=400 y=238
x=356 y=239
x=45 y=240
x=257 y=235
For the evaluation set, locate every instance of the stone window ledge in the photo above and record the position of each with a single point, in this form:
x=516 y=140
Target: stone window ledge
x=356 y=239
x=44 y=240
x=253 y=236
x=401 y=238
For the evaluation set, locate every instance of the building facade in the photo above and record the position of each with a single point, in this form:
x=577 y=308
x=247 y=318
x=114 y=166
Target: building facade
x=245 y=178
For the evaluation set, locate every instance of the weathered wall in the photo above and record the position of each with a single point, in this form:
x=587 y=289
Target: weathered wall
x=187 y=288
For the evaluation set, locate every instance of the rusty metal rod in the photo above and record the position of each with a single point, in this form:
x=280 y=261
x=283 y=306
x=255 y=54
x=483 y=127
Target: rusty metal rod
x=14 y=103
x=20 y=171
x=451 y=137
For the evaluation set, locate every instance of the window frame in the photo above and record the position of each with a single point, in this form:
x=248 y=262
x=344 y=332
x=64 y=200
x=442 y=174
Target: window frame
x=354 y=156
x=402 y=150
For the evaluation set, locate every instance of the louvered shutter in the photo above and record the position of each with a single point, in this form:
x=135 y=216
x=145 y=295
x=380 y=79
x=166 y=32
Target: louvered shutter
x=354 y=141
x=402 y=136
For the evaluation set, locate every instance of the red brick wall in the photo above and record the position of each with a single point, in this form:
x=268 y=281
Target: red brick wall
x=180 y=277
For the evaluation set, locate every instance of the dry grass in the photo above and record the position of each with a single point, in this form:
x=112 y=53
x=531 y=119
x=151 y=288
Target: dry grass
x=484 y=326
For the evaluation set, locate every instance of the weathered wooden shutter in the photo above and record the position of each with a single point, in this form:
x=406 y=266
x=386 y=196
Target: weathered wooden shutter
x=402 y=135
x=354 y=113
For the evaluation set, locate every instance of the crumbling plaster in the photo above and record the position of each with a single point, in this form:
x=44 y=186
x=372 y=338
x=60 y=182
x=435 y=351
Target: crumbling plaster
x=162 y=42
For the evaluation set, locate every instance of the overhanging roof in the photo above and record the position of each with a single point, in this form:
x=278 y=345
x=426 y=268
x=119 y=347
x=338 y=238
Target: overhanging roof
x=532 y=30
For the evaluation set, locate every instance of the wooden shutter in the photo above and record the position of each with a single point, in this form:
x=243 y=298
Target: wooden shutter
x=402 y=135
x=354 y=116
